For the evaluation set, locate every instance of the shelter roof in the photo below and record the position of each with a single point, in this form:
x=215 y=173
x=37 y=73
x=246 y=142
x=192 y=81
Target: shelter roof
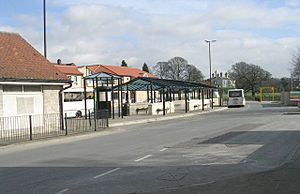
x=102 y=75
x=144 y=83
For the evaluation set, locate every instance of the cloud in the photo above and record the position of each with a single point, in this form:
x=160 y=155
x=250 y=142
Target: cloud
x=108 y=32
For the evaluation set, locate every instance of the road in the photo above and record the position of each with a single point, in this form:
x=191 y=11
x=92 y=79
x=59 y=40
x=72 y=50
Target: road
x=157 y=157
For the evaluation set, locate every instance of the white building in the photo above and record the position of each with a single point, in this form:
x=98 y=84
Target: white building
x=29 y=83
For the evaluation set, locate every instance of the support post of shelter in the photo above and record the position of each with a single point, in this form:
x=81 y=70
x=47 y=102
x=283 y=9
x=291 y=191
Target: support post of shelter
x=151 y=87
x=106 y=91
x=98 y=96
x=112 y=98
x=164 y=101
x=85 y=105
x=186 y=100
x=147 y=94
x=121 y=99
x=221 y=97
x=127 y=94
x=119 y=110
x=202 y=95
x=94 y=96
x=212 y=98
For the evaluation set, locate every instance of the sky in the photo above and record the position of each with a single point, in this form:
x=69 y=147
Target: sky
x=260 y=32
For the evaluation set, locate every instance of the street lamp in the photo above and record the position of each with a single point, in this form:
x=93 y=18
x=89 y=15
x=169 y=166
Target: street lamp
x=45 y=39
x=209 y=56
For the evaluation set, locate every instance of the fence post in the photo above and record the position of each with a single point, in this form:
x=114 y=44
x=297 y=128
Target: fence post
x=30 y=127
x=95 y=122
x=66 y=124
x=90 y=118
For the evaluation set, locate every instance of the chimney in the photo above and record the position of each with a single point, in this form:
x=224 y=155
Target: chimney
x=226 y=75
x=58 y=61
x=213 y=75
x=221 y=74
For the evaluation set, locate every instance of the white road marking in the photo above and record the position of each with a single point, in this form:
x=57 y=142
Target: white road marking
x=164 y=149
x=106 y=173
x=143 y=158
x=62 y=191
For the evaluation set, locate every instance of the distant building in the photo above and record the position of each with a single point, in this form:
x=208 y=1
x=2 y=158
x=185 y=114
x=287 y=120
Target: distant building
x=127 y=74
x=222 y=81
x=72 y=72
x=29 y=83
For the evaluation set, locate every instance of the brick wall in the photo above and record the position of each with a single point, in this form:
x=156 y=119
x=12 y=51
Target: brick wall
x=51 y=99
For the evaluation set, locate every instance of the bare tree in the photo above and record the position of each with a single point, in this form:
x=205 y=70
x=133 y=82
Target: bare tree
x=248 y=76
x=296 y=64
x=194 y=74
x=161 y=69
x=178 y=68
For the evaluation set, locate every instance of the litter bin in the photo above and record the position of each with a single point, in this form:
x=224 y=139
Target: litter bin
x=125 y=109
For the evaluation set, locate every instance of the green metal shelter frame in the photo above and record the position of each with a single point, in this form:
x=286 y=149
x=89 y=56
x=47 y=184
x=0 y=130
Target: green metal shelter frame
x=105 y=80
x=167 y=87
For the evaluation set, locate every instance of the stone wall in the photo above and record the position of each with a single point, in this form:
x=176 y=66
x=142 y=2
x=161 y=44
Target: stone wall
x=51 y=99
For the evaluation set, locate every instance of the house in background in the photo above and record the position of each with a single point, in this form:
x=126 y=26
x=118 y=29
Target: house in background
x=72 y=72
x=29 y=83
x=221 y=81
x=126 y=73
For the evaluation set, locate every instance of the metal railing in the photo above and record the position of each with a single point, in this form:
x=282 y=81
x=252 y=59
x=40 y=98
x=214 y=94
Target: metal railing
x=90 y=122
x=30 y=127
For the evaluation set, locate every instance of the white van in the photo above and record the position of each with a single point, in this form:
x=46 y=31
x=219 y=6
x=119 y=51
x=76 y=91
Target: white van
x=236 y=98
x=73 y=104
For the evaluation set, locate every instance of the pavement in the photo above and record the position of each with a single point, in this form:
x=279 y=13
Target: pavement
x=139 y=119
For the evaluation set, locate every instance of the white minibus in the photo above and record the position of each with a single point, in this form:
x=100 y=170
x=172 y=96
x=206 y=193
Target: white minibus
x=236 y=98
x=73 y=104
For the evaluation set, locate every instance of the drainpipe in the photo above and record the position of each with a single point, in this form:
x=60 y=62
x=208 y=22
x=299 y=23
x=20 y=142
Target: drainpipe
x=61 y=108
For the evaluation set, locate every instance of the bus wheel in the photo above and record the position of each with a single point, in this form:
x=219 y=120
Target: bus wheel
x=78 y=114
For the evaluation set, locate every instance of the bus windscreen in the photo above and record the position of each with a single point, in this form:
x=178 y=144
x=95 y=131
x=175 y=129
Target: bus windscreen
x=235 y=94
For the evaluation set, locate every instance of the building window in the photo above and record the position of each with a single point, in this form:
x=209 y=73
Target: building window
x=74 y=78
x=89 y=72
x=32 y=88
x=21 y=88
x=12 y=88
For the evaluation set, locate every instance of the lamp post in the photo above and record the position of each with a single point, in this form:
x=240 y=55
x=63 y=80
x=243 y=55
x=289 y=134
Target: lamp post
x=45 y=40
x=209 y=58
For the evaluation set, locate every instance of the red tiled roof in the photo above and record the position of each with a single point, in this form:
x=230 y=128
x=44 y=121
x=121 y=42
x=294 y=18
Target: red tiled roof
x=20 y=61
x=68 y=69
x=119 y=70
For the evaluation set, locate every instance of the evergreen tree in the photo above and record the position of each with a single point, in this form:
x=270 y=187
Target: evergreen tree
x=145 y=68
x=124 y=64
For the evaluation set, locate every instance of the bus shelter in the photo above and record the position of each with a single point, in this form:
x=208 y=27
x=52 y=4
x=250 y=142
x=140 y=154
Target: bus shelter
x=103 y=85
x=168 y=89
